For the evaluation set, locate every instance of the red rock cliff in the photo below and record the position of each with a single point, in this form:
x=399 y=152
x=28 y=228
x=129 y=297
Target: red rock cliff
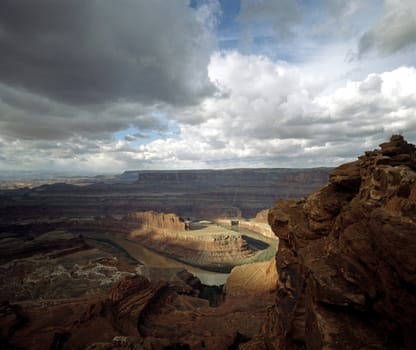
x=152 y=219
x=347 y=257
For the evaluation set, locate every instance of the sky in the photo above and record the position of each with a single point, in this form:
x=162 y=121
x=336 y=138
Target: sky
x=103 y=86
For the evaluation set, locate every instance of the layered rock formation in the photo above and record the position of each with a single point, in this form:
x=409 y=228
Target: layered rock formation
x=160 y=221
x=204 y=194
x=259 y=224
x=346 y=260
x=209 y=246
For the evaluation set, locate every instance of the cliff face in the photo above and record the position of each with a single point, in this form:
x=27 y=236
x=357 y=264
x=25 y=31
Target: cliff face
x=154 y=220
x=259 y=224
x=204 y=194
x=346 y=260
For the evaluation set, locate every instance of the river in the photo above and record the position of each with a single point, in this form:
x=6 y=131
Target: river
x=154 y=261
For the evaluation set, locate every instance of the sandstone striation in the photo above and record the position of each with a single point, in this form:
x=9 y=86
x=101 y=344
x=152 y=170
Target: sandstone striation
x=208 y=246
x=206 y=194
x=160 y=221
x=259 y=224
x=346 y=260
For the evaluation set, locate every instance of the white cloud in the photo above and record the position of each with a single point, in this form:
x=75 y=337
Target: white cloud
x=256 y=95
x=381 y=104
x=168 y=102
x=265 y=114
x=273 y=114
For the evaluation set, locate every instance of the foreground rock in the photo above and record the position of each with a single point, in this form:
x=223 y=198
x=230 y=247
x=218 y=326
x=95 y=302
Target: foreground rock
x=136 y=314
x=346 y=259
x=68 y=286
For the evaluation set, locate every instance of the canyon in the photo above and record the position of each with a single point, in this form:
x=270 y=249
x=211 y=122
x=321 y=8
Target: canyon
x=343 y=275
x=60 y=252
x=198 y=194
x=80 y=284
x=203 y=244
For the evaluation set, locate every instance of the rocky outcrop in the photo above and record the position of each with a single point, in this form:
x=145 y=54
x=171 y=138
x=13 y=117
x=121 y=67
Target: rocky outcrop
x=54 y=248
x=136 y=314
x=346 y=260
x=202 y=244
x=252 y=279
x=215 y=249
x=76 y=323
x=159 y=221
x=129 y=300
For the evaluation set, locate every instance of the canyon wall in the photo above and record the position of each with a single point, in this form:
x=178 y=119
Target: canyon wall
x=259 y=224
x=210 y=246
x=161 y=221
x=200 y=194
x=346 y=260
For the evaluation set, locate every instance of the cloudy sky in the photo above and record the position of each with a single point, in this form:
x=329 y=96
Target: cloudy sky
x=105 y=86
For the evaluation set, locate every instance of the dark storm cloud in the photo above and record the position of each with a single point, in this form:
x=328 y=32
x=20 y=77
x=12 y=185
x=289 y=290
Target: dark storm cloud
x=82 y=52
x=91 y=68
x=28 y=116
